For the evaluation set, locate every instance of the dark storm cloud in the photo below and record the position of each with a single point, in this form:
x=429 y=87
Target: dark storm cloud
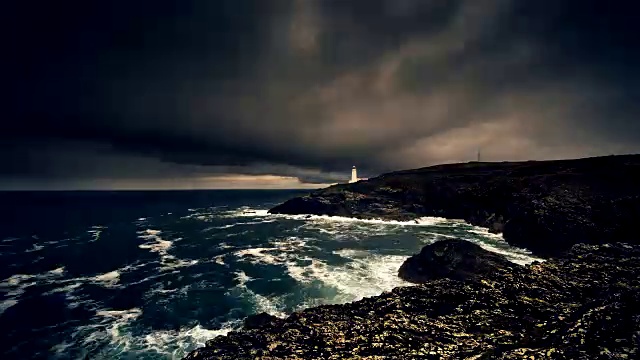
x=308 y=88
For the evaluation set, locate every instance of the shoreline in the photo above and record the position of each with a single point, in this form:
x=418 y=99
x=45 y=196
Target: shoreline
x=543 y=206
x=567 y=307
x=582 y=302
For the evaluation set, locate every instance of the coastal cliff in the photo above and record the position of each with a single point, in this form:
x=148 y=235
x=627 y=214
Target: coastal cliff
x=544 y=206
x=583 y=305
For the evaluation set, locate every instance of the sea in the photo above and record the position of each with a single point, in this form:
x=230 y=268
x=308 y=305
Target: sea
x=154 y=274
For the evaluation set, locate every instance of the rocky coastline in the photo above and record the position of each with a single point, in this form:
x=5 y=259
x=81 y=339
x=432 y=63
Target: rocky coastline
x=582 y=305
x=544 y=206
x=468 y=303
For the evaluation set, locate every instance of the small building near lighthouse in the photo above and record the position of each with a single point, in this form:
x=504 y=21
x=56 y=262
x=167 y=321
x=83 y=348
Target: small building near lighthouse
x=354 y=176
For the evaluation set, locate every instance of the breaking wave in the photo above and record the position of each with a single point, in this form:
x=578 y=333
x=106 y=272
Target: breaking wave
x=186 y=278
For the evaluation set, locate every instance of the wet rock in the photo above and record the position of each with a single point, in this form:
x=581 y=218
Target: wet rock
x=454 y=259
x=261 y=321
x=544 y=206
x=582 y=305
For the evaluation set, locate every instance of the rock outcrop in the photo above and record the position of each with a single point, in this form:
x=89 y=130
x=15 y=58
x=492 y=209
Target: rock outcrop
x=582 y=305
x=456 y=260
x=544 y=206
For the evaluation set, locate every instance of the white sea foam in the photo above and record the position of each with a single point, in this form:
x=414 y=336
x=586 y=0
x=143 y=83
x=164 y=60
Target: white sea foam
x=238 y=234
x=436 y=235
x=7 y=304
x=201 y=216
x=273 y=306
x=183 y=341
x=495 y=243
x=424 y=221
x=95 y=232
x=365 y=275
x=121 y=314
x=221 y=227
x=16 y=285
x=107 y=327
x=242 y=278
x=113 y=327
x=156 y=244
x=116 y=328
x=34 y=248
x=281 y=252
x=58 y=271
x=490 y=242
x=228 y=226
x=224 y=245
x=109 y=279
x=516 y=255
x=262 y=255
x=248 y=212
x=483 y=232
x=68 y=288
x=219 y=259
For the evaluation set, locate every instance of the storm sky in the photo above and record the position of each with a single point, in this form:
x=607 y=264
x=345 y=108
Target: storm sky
x=285 y=94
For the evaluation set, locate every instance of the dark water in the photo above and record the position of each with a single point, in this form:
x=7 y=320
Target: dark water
x=153 y=275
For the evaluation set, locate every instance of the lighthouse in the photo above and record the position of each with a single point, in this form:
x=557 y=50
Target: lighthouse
x=354 y=176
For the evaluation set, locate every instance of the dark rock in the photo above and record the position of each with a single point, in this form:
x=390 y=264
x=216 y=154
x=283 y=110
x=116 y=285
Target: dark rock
x=262 y=320
x=582 y=305
x=454 y=259
x=544 y=206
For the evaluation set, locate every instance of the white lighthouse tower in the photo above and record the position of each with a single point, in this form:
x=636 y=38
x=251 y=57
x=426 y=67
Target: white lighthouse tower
x=354 y=175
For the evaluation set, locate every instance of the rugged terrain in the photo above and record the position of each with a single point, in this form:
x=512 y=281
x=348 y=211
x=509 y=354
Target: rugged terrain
x=583 y=305
x=545 y=206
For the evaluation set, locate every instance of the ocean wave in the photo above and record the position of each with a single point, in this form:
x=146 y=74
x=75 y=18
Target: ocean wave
x=365 y=275
x=109 y=279
x=281 y=252
x=296 y=251
x=115 y=335
x=219 y=259
x=156 y=244
x=250 y=212
x=4 y=305
x=260 y=303
x=247 y=212
x=517 y=255
x=178 y=344
x=95 y=232
x=16 y=285
x=228 y=226
x=107 y=327
x=34 y=248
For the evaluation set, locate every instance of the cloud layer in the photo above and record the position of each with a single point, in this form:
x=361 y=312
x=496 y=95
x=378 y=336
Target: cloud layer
x=307 y=88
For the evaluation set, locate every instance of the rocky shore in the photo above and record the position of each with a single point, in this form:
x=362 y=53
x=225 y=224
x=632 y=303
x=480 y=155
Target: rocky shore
x=582 y=305
x=544 y=206
x=468 y=303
